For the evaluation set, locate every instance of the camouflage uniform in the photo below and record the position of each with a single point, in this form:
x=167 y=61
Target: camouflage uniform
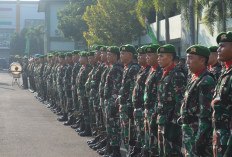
x=112 y=87
x=196 y=115
x=75 y=71
x=150 y=103
x=216 y=71
x=67 y=88
x=81 y=80
x=222 y=114
x=138 y=103
x=125 y=101
x=170 y=94
x=60 y=85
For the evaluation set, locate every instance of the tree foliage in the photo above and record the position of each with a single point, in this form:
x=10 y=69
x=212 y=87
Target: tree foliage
x=216 y=14
x=70 y=19
x=18 y=41
x=145 y=8
x=112 y=22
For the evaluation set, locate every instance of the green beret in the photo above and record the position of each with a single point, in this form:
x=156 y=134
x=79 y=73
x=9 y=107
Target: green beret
x=50 y=56
x=128 y=48
x=68 y=54
x=142 y=49
x=103 y=48
x=84 y=54
x=91 y=53
x=224 y=37
x=76 y=52
x=41 y=56
x=99 y=47
x=198 y=50
x=113 y=49
x=152 y=48
x=169 y=48
x=213 y=48
x=61 y=55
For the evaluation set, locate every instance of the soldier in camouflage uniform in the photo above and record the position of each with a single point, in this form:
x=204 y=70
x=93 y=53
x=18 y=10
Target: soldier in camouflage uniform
x=195 y=110
x=60 y=87
x=222 y=100
x=112 y=87
x=150 y=101
x=214 y=66
x=31 y=74
x=93 y=63
x=49 y=80
x=25 y=73
x=125 y=95
x=170 y=92
x=138 y=100
x=75 y=71
x=68 y=88
x=40 y=78
x=84 y=108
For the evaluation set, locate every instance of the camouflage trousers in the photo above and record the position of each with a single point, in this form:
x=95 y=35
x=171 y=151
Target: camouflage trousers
x=75 y=99
x=84 y=108
x=112 y=124
x=139 y=125
x=91 y=111
x=61 y=99
x=97 y=111
x=166 y=147
x=127 y=127
x=103 y=114
x=69 y=103
x=151 y=138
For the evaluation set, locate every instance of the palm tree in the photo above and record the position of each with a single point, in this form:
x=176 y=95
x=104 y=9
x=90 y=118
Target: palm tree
x=217 y=12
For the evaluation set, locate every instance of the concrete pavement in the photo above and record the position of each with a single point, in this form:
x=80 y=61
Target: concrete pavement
x=29 y=129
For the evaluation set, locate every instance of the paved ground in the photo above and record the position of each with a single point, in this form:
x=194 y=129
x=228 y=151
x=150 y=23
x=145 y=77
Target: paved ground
x=29 y=129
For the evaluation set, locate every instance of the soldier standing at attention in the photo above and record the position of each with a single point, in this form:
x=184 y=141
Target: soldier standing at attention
x=195 y=110
x=25 y=73
x=67 y=88
x=138 y=100
x=213 y=65
x=82 y=77
x=112 y=87
x=150 y=100
x=126 y=109
x=75 y=71
x=222 y=100
x=170 y=95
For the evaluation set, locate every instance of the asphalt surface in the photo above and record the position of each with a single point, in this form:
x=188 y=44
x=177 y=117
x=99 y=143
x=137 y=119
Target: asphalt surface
x=29 y=129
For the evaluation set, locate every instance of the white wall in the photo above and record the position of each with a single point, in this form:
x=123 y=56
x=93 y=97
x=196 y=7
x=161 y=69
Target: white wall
x=53 y=19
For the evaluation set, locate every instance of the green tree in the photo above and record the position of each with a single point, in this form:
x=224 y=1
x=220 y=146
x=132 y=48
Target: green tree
x=165 y=7
x=70 y=19
x=189 y=10
x=112 y=22
x=217 y=12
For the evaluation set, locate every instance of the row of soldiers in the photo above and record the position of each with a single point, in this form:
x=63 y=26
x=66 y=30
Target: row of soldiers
x=154 y=107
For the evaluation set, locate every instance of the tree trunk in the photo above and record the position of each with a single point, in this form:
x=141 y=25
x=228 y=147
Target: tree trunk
x=167 y=33
x=223 y=16
x=191 y=22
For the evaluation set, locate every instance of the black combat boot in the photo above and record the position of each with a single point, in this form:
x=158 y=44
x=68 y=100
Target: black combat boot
x=63 y=118
x=116 y=152
x=71 y=121
x=86 y=132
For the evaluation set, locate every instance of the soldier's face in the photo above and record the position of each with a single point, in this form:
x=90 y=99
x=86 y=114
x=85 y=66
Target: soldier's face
x=225 y=51
x=126 y=57
x=75 y=57
x=98 y=55
x=142 y=59
x=61 y=60
x=195 y=63
x=212 y=58
x=41 y=60
x=83 y=60
x=103 y=56
x=111 y=57
x=165 y=59
x=151 y=59
x=91 y=60
x=68 y=60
